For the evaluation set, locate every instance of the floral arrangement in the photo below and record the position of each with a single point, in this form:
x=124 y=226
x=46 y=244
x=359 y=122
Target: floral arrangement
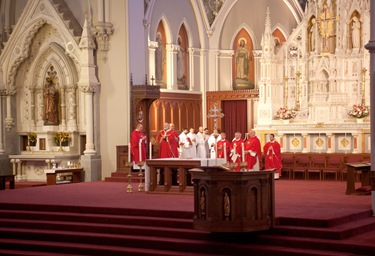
x=61 y=137
x=284 y=113
x=32 y=136
x=359 y=111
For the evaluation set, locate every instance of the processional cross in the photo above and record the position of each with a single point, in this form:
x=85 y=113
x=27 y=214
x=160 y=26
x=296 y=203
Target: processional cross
x=215 y=113
x=325 y=22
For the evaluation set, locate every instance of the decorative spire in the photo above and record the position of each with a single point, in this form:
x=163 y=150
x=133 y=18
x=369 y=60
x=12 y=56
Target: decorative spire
x=87 y=41
x=268 y=41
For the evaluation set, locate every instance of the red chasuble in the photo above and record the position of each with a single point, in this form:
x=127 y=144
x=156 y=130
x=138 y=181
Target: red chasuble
x=236 y=145
x=272 y=155
x=253 y=144
x=168 y=144
x=136 y=137
x=220 y=148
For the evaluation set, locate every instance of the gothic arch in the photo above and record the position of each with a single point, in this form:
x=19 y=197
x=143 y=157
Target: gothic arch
x=249 y=31
x=167 y=29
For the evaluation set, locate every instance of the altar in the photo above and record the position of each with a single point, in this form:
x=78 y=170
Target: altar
x=171 y=166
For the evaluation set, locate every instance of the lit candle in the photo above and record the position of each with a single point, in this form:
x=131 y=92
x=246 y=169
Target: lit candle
x=140 y=150
x=150 y=150
x=225 y=152
x=243 y=152
x=129 y=153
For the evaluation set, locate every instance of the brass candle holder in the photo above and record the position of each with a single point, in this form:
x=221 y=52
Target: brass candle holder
x=243 y=166
x=230 y=166
x=141 y=186
x=129 y=189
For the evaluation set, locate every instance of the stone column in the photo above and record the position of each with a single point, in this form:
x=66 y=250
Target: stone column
x=40 y=104
x=72 y=108
x=371 y=47
x=32 y=108
x=63 y=108
x=172 y=66
x=90 y=147
x=151 y=57
x=191 y=69
x=19 y=170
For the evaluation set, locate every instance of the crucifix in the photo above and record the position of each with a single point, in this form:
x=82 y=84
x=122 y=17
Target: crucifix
x=325 y=22
x=215 y=113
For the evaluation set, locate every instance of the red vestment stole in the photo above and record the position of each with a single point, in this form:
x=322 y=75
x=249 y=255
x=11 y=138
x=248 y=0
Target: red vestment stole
x=135 y=138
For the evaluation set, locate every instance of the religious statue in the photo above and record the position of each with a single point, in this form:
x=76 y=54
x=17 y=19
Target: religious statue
x=51 y=99
x=180 y=63
x=312 y=34
x=242 y=60
x=159 y=59
x=226 y=206
x=356 y=33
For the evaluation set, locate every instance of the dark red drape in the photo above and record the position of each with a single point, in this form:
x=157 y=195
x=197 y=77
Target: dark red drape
x=235 y=117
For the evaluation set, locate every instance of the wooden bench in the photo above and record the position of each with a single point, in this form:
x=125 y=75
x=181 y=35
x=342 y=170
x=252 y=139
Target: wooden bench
x=75 y=175
x=6 y=178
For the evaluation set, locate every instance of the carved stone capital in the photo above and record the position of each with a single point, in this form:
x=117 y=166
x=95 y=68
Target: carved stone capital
x=88 y=88
x=102 y=31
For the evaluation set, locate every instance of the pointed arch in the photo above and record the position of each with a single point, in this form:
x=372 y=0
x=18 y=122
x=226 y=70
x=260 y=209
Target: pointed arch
x=182 y=58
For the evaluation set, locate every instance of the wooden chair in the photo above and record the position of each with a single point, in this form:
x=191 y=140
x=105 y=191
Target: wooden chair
x=335 y=166
x=302 y=165
x=318 y=163
x=288 y=165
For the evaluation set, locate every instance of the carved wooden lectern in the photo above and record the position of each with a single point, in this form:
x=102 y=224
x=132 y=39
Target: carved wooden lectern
x=233 y=201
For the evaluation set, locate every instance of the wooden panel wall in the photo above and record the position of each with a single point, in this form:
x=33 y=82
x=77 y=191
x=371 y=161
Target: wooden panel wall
x=250 y=95
x=184 y=110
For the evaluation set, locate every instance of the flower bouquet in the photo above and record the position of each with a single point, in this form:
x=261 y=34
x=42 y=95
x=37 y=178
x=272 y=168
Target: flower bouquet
x=285 y=114
x=61 y=138
x=359 y=111
x=32 y=136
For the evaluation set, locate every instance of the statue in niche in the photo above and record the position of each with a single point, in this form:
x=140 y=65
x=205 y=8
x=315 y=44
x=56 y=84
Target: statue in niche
x=356 y=33
x=159 y=59
x=242 y=60
x=51 y=98
x=181 y=78
x=226 y=206
x=312 y=34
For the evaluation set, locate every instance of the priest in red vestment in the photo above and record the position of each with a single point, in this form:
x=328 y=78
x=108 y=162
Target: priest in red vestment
x=173 y=141
x=221 y=144
x=165 y=149
x=138 y=144
x=236 y=150
x=272 y=155
x=253 y=152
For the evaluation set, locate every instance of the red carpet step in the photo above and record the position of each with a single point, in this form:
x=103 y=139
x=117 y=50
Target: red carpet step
x=73 y=230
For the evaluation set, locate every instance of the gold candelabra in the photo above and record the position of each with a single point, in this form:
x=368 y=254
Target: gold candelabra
x=363 y=86
x=141 y=186
x=129 y=189
x=298 y=75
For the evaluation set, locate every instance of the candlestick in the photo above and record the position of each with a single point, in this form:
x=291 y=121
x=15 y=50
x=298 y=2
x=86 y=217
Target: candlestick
x=129 y=153
x=140 y=150
x=243 y=152
x=150 y=150
x=225 y=152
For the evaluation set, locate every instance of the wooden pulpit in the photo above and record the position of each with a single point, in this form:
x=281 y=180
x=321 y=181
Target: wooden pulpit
x=233 y=201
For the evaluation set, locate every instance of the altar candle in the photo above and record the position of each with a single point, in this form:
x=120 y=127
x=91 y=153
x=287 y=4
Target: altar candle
x=243 y=152
x=140 y=150
x=225 y=152
x=129 y=153
x=150 y=150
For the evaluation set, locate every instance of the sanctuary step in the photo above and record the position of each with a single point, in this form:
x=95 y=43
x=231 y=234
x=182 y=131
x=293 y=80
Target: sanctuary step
x=78 y=230
x=121 y=176
x=26 y=184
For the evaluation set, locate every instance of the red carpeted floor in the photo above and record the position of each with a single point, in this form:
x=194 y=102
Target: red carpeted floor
x=313 y=217
x=307 y=199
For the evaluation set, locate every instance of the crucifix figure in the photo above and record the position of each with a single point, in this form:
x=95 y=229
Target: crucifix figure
x=325 y=22
x=215 y=113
